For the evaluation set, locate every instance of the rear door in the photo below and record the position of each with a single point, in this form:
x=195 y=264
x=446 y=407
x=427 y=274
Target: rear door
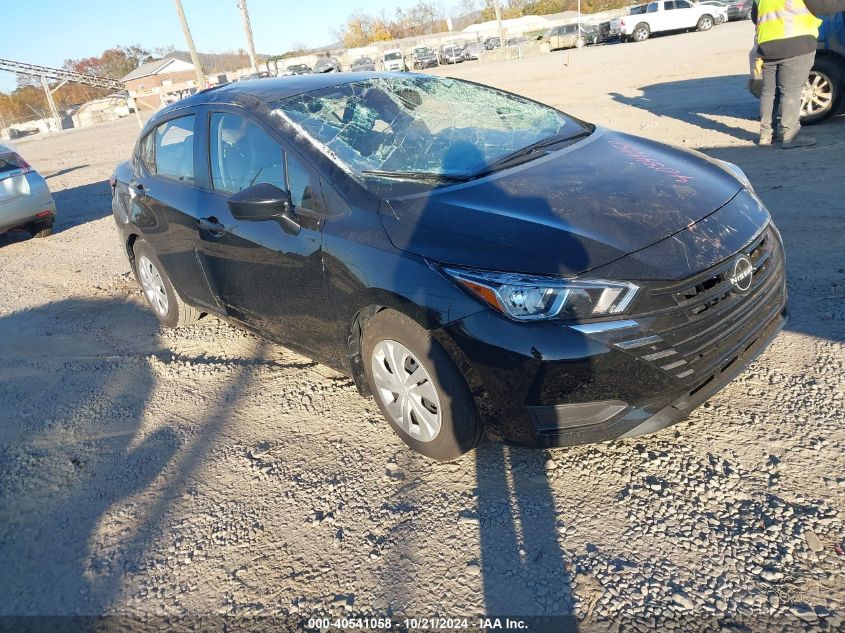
x=684 y=15
x=261 y=275
x=164 y=198
x=656 y=16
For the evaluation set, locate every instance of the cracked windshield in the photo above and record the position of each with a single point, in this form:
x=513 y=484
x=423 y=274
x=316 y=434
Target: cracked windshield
x=422 y=125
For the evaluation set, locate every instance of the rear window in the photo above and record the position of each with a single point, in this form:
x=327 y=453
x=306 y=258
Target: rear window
x=11 y=162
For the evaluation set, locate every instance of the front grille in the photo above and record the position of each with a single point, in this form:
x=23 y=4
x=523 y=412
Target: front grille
x=701 y=325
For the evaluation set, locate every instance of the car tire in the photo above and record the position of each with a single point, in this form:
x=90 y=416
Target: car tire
x=40 y=229
x=641 y=32
x=705 y=23
x=391 y=339
x=825 y=83
x=167 y=305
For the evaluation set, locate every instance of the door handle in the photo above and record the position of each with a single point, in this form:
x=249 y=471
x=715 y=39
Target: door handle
x=212 y=225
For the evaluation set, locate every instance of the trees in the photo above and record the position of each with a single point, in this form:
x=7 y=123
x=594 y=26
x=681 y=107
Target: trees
x=28 y=100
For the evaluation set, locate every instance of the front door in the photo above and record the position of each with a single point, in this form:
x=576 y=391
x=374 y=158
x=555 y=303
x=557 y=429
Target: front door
x=263 y=276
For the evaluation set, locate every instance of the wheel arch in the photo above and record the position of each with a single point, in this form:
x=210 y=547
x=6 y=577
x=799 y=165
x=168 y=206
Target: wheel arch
x=374 y=301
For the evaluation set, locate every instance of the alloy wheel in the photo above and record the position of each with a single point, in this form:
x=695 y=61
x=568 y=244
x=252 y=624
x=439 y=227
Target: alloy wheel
x=153 y=285
x=406 y=390
x=817 y=95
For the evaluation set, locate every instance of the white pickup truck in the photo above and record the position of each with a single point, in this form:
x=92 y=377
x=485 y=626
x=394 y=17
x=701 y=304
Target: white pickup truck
x=664 y=15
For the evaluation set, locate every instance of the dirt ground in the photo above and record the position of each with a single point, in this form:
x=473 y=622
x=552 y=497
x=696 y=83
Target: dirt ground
x=207 y=472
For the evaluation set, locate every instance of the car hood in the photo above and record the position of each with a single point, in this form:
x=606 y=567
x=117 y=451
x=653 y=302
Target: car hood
x=589 y=204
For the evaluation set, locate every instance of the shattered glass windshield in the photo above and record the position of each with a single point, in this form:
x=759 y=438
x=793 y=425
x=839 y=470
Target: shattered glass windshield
x=422 y=125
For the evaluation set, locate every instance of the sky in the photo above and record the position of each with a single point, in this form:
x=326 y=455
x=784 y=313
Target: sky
x=47 y=32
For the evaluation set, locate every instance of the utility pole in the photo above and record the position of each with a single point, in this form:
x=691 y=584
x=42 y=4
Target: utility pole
x=498 y=11
x=194 y=57
x=250 y=46
x=52 y=104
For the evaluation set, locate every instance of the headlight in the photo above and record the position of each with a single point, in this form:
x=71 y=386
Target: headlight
x=534 y=298
x=736 y=171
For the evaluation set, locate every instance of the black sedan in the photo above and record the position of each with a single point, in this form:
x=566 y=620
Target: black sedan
x=327 y=65
x=362 y=64
x=502 y=270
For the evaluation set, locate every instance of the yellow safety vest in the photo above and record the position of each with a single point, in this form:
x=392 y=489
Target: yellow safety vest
x=780 y=19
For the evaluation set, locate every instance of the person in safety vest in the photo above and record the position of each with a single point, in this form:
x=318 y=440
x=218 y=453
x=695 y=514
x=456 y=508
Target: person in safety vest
x=786 y=41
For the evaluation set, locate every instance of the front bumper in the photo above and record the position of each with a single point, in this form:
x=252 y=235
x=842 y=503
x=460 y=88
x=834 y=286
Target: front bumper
x=547 y=384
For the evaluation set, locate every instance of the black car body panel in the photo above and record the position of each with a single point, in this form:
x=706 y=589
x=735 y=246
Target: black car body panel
x=608 y=206
x=496 y=223
x=362 y=64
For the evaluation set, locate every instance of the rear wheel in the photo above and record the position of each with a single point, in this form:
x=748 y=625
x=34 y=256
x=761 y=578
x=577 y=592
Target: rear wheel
x=418 y=388
x=705 y=23
x=167 y=305
x=40 y=229
x=641 y=33
x=822 y=94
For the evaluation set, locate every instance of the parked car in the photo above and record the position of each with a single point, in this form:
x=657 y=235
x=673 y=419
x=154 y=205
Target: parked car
x=719 y=8
x=393 y=60
x=518 y=41
x=362 y=64
x=462 y=269
x=569 y=36
x=451 y=54
x=660 y=17
x=327 y=65
x=823 y=93
x=298 y=69
x=424 y=57
x=263 y=74
x=474 y=50
x=25 y=199
x=739 y=9
x=492 y=42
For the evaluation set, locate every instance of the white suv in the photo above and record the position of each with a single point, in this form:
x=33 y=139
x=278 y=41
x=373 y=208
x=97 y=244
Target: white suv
x=664 y=15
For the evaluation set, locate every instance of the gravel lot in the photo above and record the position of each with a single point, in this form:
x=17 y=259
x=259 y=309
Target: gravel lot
x=204 y=471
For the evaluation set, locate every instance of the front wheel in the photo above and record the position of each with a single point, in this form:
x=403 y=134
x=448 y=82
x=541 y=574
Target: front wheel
x=167 y=305
x=822 y=94
x=705 y=23
x=418 y=388
x=641 y=33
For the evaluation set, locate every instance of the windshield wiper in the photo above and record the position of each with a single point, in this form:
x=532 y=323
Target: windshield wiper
x=413 y=175
x=500 y=163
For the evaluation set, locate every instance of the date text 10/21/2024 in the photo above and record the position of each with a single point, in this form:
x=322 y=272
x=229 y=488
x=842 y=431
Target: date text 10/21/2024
x=412 y=624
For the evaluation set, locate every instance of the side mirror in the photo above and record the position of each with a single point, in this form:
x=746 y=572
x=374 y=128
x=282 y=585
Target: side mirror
x=265 y=202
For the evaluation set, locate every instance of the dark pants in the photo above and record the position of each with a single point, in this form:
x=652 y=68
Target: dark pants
x=783 y=81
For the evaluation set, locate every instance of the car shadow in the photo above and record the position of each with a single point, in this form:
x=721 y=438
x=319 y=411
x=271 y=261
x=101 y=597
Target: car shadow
x=67 y=170
x=89 y=465
x=78 y=205
x=74 y=206
x=700 y=102
x=65 y=456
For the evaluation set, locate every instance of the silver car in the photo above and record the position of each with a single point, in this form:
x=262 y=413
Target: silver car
x=25 y=198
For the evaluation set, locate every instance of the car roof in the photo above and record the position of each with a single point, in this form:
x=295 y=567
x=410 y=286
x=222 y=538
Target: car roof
x=248 y=92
